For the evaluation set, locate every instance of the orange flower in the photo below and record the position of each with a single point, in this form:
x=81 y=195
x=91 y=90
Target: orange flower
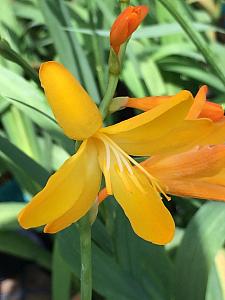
x=125 y=24
x=196 y=173
x=200 y=109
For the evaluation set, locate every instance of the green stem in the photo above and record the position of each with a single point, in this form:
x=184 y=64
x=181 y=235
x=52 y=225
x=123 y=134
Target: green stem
x=86 y=259
x=124 y=4
x=195 y=37
x=85 y=223
x=110 y=91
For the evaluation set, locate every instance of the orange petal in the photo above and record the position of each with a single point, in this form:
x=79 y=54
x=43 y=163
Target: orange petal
x=146 y=103
x=195 y=188
x=212 y=111
x=198 y=104
x=125 y=24
x=102 y=195
x=198 y=162
x=198 y=173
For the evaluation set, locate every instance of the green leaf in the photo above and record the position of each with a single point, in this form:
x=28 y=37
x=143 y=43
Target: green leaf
x=216 y=286
x=61 y=276
x=195 y=37
x=148 y=263
x=71 y=54
x=18 y=244
x=8 y=53
x=8 y=214
x=35 y=172
x=204 y=236
x=109 y=279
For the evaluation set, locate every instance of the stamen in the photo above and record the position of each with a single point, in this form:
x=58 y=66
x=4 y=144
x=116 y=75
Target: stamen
x=126 y=163
x=137 y=183
x=123 y=176
x=118 y=159
x=108 y=183
x=153 y=180
x=107 y=150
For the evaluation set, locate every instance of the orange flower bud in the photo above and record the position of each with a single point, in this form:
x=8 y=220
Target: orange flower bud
x=125 y=24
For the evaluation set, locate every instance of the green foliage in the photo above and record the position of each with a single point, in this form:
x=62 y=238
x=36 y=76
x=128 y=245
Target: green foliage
x=175 y=48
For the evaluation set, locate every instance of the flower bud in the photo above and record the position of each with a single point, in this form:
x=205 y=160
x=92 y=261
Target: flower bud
x=125 y=24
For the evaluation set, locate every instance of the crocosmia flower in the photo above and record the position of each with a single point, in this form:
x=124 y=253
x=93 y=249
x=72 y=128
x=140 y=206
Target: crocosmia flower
x=197 y=172
x=125 y=24
x=72 y=190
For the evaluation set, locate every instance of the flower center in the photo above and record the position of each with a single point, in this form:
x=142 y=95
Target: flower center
x=125 y=165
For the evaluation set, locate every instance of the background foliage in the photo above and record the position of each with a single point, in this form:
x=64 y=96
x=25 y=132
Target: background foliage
x=179 y=46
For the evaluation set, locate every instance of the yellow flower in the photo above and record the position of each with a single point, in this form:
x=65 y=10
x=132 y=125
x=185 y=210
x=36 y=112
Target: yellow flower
x=73 y=189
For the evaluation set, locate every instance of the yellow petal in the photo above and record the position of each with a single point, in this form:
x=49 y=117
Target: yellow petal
x=171 y=112
x=62 y=190
x=145 y=133
x=73 y=108
x=216 y=135
x=86 y=199
x=148 y=216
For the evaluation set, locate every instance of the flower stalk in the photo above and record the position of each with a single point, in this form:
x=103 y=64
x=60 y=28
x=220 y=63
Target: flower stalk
x=86 y=258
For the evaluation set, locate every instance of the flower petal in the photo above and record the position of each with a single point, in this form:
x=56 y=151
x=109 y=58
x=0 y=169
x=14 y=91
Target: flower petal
x=197 y=162
x=141 y=134
x=212 y=111
x=84 y=202
x=174 y=110
x=198 y=173
x=73 y=108
x=147 y=103
x=196 y=188
x=198 y=104
x=62 y=190
x=148 y=216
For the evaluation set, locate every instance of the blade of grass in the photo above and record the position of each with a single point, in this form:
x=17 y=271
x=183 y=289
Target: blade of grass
x=61 y=276
x=195 y=37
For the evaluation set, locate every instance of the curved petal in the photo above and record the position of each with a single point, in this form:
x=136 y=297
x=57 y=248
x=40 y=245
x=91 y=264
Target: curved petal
x=84 y=202
x=216 y=135
x=181 y=138
x=147 y=103
x=143 y=206
x=62 y=190
x=198 y=173
x=198 y=162
x=212 y=111
x=196 y=188
x=199 y=103
x=73 y=108
x=141 y=134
